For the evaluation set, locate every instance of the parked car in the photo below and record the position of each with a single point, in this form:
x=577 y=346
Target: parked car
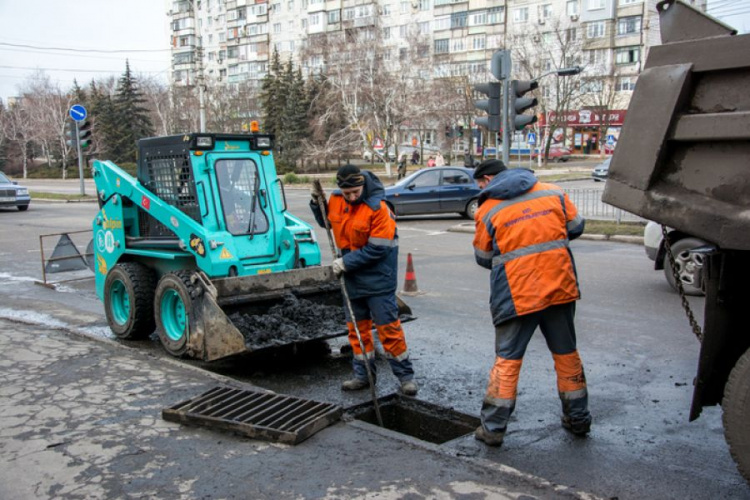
x=689 y=264
x=433 y=191
x=556 y=154
x=601 y=171
x=13 y=195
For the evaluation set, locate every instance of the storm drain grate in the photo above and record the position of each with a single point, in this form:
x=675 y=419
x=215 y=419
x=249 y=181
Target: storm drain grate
x=418 y=419
x=256 y=414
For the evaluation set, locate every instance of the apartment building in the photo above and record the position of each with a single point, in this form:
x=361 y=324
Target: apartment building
x=232 y=41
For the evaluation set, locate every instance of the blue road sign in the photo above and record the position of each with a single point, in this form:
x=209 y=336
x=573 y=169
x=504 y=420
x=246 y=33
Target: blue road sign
x=531 y=138
x=610 y=140
x=78 y=112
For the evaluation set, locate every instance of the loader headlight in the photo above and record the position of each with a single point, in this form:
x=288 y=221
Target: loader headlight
x=203 y=141
x=263 y=142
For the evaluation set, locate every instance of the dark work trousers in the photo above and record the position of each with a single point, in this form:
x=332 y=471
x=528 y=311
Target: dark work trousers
x=511 y=339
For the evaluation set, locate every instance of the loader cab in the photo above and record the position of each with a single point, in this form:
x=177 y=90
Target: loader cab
x=227 y=183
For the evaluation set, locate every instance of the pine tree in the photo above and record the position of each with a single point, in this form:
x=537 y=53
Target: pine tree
x=104 y=127
x=132 y=119
x=271 y=98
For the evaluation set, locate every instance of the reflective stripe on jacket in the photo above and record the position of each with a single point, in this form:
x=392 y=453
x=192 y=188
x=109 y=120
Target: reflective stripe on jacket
x=366 y=234
x=523 y=238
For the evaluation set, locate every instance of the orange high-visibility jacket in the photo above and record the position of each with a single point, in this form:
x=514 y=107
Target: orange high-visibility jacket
x=366 y=234
x=523 y=228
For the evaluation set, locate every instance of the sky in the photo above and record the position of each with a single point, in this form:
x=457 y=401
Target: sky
x=138 y=26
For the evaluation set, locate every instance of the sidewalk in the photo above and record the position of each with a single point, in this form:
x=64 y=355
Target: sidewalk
x=82 y=419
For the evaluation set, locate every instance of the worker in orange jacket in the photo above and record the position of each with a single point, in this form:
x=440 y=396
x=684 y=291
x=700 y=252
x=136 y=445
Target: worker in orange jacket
x=365 y=232
x=523 y=228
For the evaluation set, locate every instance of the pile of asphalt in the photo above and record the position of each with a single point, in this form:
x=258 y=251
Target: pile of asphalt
x=292 y=320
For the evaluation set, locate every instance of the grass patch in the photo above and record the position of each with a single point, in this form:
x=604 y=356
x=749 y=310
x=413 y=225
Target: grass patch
x=611 y=228
x=60 y=196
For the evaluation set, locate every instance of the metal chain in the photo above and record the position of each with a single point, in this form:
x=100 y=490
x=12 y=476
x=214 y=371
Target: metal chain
x=678 y=283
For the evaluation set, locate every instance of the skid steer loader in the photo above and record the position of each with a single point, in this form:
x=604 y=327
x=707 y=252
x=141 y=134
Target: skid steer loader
x=201 y=248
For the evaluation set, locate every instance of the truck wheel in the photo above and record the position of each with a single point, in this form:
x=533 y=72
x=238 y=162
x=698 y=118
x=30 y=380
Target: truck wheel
x=172 y=306
x=688 y=265
x=129 y=300
x=736 y=406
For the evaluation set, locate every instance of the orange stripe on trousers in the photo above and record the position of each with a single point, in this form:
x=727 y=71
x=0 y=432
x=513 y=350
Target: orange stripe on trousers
x=365 y=331
x=392 y=338
x=504 y=378
x=570 y=376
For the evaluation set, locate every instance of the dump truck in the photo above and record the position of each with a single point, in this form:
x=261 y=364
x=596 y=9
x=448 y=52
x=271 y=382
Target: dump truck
x=683 y=160
x=200 y=248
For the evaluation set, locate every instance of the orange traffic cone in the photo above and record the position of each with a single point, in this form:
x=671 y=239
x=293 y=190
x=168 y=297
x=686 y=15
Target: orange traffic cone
x=410 y=283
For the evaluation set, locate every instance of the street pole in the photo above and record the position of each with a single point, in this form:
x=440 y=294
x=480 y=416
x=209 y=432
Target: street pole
x=506 y=122
x=80 y=159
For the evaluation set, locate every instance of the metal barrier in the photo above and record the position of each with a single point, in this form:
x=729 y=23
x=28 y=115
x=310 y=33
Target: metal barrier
x=66 y=257
x=590 y=206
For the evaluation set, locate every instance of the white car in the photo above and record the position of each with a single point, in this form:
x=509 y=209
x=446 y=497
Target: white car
x=689 y=264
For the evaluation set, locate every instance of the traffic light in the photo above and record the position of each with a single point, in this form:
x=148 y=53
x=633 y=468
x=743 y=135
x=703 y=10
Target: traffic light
x=448 y=131
x=70 y=133
x=491 y=105
x=460 y=131
x=518 y=103
x=84 y=134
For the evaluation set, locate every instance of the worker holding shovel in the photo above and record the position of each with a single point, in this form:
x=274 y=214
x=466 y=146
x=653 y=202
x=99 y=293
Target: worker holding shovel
x=365 y=231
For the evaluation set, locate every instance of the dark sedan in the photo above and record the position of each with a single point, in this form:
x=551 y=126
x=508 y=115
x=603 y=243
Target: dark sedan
x=13 y=195
x=435 y=190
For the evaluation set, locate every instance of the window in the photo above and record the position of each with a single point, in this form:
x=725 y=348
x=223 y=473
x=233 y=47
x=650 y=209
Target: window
x=442 y=46
x=571 y=8
x=457 y=45
x=571 y=34
x=222 y=37
x=593 y=86
x=628 y=55
x=232 y=53
x=277 y=28
x=290 y=5
x=458 y=20
x=237 y=182
x=545 y=12
x=349 y=13
x=424 y=4
x=428 y=179
x=478 y=18
x=453 y=177
x=629 y=25
x=478 y=42
x=405 y=7
x=303 y=23
x=183 y=58
x=402 y=31
x=595 y=29
x=596 y=4
x=334 y=16
x=597 y=57
x=521 y=15
x=386 y=10
x=496 y=15
x=387 y=33
x=315 y=19
x=424 y=28
x=442 y=23
x=625 y=84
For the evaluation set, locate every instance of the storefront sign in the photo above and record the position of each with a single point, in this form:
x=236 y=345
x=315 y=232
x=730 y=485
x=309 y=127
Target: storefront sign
x=586 y=118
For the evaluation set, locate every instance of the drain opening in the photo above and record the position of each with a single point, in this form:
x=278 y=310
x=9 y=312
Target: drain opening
x=418 y=419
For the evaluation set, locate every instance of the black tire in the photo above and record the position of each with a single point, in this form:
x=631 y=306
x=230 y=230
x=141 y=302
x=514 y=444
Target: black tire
x=138 y=282
x=23 y=208
x=736 y=407
x=391 y=208
x=171 y=288
x=688 y=265
x=471 y=209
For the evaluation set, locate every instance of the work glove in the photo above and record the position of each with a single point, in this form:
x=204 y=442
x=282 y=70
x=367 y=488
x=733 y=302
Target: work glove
x=317 y=193
x=338 y=267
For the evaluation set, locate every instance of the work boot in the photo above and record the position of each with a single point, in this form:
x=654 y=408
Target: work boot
x=577 y=428
x=489 y=438
x=354 y=384
x=409 y=388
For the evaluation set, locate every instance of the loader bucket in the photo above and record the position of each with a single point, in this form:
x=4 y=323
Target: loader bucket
x=245 y=314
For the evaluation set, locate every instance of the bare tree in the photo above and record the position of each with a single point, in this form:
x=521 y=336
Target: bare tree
x=159 y=103
x=18 y=129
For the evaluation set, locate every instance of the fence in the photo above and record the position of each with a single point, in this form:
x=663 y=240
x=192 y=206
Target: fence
x=590 y=205
x=71 y=256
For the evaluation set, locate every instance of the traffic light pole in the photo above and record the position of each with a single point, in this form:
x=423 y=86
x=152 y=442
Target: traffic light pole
x=80 y=159
x=506 y=123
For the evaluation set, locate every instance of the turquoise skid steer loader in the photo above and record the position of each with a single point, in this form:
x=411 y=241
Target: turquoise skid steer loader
x=201 y=249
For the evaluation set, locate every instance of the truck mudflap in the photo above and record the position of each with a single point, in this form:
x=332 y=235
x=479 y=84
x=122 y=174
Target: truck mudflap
x=245 y=314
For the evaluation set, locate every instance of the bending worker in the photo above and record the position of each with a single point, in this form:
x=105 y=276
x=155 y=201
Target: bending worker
x=365 y=231
x=523 y=228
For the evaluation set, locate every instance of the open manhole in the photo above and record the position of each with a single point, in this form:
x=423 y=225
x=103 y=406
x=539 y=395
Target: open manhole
x=418 y=419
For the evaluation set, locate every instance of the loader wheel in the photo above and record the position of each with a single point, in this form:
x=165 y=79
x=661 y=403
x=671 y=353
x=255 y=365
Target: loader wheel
x=736 y=406
x=172 y=306
x=129 y=300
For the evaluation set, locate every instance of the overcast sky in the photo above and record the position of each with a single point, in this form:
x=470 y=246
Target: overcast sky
x=87 y=25
x=125 y=25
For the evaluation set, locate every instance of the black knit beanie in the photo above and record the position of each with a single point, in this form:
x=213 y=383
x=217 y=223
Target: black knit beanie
x=350 y=176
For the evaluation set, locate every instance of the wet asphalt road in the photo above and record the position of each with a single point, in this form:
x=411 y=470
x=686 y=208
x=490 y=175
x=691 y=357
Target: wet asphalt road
x=639 y=355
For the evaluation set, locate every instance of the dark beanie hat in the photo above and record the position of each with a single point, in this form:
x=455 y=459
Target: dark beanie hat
x=489 y=167
x=349 y=176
